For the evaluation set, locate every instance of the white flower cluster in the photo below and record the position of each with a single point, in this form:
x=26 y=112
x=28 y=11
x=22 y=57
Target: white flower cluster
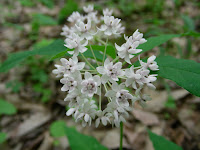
x=106 y=80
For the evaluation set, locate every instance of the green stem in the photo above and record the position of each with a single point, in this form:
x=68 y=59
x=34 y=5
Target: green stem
x=124 y=63
x=89 y=70
x=100 y=99
x=102 y=42
x=104 y=55
x=116 y=59
x=109 y=84
x=94 y=55
x=87 y=61
x=121 y=135
x=109 y=99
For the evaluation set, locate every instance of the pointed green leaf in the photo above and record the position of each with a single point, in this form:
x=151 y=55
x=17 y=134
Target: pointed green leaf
x=15 y=58
x=160 y=143
x=59 y=55
x=77 y=141
x=110 y=49
x=42 y=19
x=6 y=108
x=156 y=41
x=185 y=73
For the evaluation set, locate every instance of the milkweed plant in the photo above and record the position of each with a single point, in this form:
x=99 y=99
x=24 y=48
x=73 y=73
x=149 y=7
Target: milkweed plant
x=90 y=82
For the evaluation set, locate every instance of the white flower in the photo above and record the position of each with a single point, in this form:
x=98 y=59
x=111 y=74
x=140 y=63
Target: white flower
x=102 y=117
x=74 y=43
x=84 y=29
x=112 y=26
x=87 y=113
x=90 y=84
x=93 y=17
x=110 y=71
x=69 y=84
x=119 y=94
x=151 y=79
x=119 y=113
x=71 y=65
x=88 y=9
x=75 y=98
x=127 y=49
x=59 y=71
x=141 y=98
x=107 y=12
x=75 y=17
x=137 y=36
x=151 y=63
x=66 y=31
x=141 y=77
x=132 y=77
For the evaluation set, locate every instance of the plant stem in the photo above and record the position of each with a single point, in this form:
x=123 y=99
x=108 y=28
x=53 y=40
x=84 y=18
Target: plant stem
x=102 y=42
x=100 y=99
x=87 y=61
x=89 y=70
x=109 y=99
x=121 y=136
x=94 y=55
x=105 y=50
x=124 y=63
x=116 y=59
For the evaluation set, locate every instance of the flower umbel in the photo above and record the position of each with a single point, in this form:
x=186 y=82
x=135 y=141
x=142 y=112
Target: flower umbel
x=115 y=81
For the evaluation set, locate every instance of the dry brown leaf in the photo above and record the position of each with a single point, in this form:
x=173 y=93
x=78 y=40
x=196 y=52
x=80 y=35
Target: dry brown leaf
x=112 y=138
x=159 y=98
x=190 y=120
x=146 y=118
x=35 y=121
x=47 y=142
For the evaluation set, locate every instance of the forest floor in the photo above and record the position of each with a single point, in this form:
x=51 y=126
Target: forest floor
x=173 y=112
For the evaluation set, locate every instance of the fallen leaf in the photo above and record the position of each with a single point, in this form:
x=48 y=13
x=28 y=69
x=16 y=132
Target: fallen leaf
x=146 y=118
x=112 y=138
x=35 y=121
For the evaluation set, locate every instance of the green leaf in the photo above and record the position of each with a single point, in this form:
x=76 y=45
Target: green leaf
x=54 y=48
x=7 y=108
x=57 y=129
x=42 y=43
x=15 y=58
x=77 y=141
x=2 y=137
x=191 y=33
x=156 y=41
x=110 y=50
x=188 y=23
x=14 y=85
x=57 y=47
x=96 y=48
x=185 y=73
x=59 y=55
x=160 y=143
x=68 y=9
x=170 y=103
x=27 y=3
x=48 y=3
x=43 y=19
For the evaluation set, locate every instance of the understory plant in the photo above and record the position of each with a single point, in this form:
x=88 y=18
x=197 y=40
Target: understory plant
x=88 y=82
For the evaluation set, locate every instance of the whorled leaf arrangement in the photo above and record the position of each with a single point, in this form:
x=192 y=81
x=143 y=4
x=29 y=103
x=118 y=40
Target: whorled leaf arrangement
x=88 y=83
